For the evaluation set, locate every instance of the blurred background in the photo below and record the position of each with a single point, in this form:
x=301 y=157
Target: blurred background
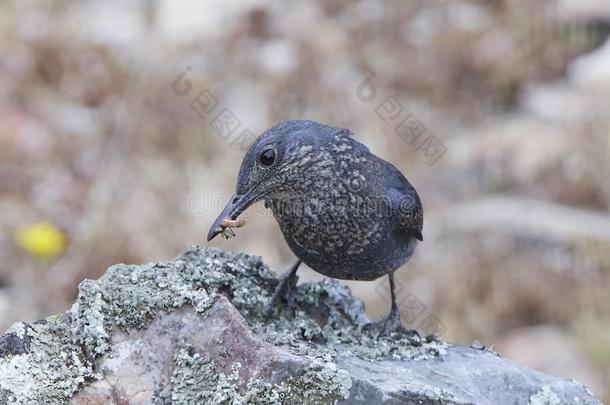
x=123 y=124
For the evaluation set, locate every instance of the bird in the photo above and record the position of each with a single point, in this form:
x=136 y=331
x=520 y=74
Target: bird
x=343 y=211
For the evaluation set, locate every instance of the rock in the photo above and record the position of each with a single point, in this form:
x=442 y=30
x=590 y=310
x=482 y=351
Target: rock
x=591 y=71
x=193 y=330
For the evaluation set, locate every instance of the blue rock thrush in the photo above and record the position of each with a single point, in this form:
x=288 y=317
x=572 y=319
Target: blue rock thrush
x=344 y=212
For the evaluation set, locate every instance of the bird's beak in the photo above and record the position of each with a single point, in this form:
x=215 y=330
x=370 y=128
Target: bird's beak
x=236 y=206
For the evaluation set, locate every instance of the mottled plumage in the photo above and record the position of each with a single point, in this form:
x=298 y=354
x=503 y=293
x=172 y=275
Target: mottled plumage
x=343 y=211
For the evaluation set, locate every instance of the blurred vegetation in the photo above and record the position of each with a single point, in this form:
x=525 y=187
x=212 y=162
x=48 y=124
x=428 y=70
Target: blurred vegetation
x=97 y=145
x=41 y=240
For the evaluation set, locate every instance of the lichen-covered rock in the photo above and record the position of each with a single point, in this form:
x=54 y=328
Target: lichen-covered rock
x=193 y=331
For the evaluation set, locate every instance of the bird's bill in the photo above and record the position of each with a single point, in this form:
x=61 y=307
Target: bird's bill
x=236 y=205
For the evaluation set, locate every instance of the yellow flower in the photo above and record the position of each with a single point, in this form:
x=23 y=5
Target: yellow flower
x=42 y=240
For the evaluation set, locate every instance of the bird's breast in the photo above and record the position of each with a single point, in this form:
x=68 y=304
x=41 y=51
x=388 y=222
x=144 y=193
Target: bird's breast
x=340 y=235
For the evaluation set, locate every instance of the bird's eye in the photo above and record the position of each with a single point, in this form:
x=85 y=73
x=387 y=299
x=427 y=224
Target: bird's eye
x=267 y=158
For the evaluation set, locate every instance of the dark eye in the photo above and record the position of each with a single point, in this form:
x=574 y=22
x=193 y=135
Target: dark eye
x=267 y=157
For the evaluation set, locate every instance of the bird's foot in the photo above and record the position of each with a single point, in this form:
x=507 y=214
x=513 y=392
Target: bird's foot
x=392 y=326
x=283 y=292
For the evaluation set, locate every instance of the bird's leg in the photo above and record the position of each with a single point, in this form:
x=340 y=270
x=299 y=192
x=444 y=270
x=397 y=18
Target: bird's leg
x=394 y=316
x=393 y=322
x=288 y=282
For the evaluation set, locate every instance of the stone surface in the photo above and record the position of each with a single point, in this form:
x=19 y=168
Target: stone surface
x=193 y=331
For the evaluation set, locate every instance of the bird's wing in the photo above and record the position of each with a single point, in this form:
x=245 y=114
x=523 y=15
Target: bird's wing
x=407 y=207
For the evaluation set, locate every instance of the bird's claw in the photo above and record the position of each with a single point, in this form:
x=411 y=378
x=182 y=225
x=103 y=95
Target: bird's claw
x=393 y=326
x=282 y=292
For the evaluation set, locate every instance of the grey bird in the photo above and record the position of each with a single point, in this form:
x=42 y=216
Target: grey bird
x=343 y=211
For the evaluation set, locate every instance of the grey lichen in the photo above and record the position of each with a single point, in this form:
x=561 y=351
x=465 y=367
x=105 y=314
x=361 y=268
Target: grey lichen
x=321 y=383
x=545 y=396
x=51 y=371
x=18 y=329
x=49 y=361
x=196 y=380
x=63 y=350
x=324 y=315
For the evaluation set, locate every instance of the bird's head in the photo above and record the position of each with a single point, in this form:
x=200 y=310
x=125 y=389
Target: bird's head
x=274 y=164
